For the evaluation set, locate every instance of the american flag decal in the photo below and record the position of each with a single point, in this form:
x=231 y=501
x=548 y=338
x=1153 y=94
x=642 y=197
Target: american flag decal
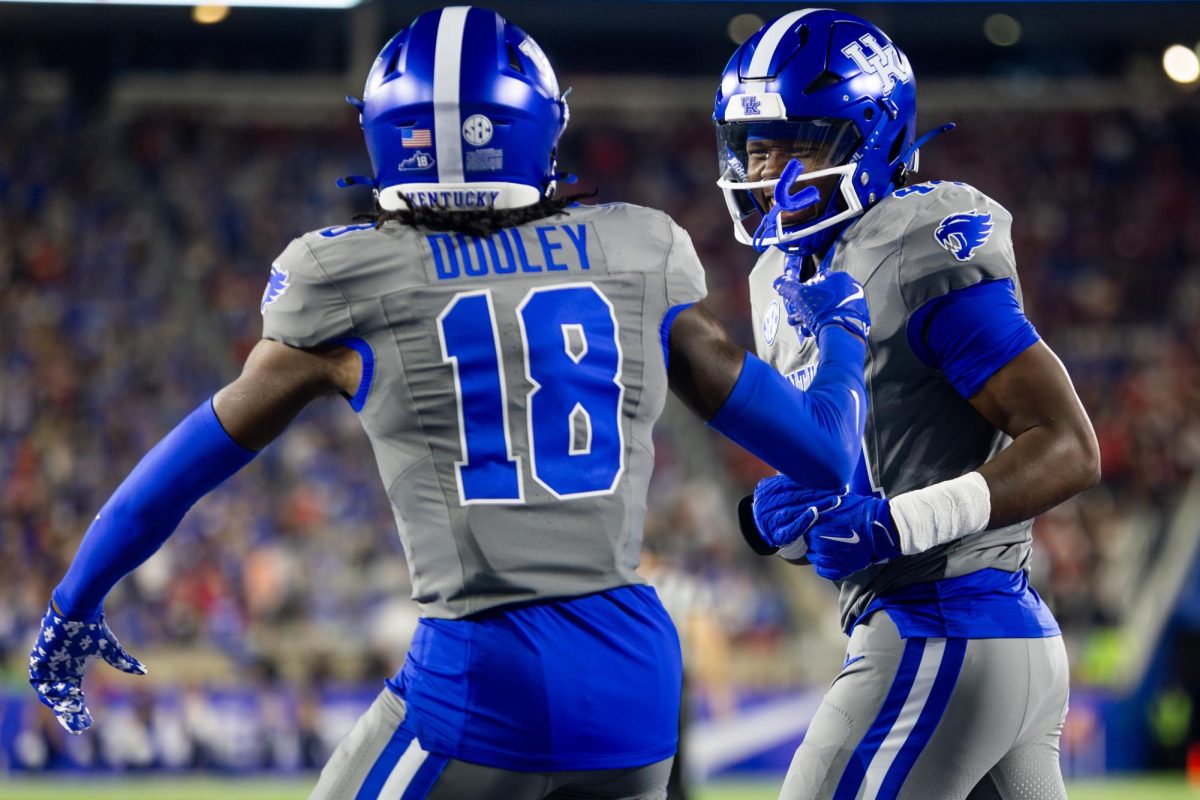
x=416 y=137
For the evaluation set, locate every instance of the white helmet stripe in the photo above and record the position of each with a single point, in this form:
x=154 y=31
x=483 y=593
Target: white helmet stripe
x=447 y=117
x=760 y=63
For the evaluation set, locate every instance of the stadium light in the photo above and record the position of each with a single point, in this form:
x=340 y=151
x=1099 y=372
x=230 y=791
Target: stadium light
x=231 y=3
x=743 y=26
x=1002 y=30
x=210 y=14
x=1181 y=63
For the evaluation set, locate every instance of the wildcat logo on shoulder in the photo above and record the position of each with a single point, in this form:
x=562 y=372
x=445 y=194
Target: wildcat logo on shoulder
x=964 y=233
x=277 y=284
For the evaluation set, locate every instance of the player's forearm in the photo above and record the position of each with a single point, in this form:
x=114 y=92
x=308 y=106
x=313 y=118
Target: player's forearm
x=838 y=392
x=1054 y=454
x=815 y=436
x=1043 y=467
x=189 y=462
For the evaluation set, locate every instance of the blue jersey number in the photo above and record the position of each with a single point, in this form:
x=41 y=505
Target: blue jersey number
x=488 y=473
x=572 y=361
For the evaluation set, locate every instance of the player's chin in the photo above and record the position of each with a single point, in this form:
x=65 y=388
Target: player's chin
x=791 y=218
x=796 y=218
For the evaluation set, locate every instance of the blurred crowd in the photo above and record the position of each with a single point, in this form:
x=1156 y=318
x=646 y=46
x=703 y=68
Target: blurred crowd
x=133 y=256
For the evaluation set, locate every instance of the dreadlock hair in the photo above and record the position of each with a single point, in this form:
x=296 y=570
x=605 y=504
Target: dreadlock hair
x=480 y=224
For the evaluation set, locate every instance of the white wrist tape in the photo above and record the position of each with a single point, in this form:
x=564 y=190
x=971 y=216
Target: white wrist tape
x=941 y=513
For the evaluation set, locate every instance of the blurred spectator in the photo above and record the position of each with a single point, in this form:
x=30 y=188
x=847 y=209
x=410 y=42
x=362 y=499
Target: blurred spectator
x=132 y=258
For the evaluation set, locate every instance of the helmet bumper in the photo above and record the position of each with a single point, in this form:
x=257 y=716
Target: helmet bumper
x=473 y=196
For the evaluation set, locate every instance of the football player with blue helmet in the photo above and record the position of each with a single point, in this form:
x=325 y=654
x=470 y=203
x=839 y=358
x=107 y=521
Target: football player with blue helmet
x=955 y=681
x=508 y=353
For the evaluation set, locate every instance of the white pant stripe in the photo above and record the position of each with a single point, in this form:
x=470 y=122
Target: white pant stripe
x=931 y=661
x=447 y=71
x=760 y=62
x=402 y=774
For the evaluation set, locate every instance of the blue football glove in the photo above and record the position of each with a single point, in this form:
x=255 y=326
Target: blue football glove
x=57 y=661
x=828 y=298
x=850 y=536
x=782 y=515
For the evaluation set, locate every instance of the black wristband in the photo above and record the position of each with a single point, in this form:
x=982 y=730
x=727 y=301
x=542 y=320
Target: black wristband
x=749 y=528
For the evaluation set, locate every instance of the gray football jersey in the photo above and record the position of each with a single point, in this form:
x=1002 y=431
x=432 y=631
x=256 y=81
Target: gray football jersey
x=914 y=246
x=514 y=382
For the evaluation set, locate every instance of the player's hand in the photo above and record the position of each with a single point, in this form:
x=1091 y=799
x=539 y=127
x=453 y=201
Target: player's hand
x=851 y=535
x=782 y=515
x=828 y=298
x=57 y=661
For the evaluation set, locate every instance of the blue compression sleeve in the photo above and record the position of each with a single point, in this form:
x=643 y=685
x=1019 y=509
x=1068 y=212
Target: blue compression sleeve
x=815 y=436
x=970 y=334
x=188 y=463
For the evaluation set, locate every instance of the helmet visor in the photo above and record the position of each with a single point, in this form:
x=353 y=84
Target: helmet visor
x=756 y=153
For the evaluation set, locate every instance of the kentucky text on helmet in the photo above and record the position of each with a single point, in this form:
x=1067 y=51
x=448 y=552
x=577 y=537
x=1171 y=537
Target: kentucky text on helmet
x=454 y=199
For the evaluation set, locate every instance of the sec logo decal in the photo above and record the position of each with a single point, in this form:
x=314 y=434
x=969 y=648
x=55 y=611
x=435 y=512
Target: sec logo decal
x=770 y=322
x=477 y=130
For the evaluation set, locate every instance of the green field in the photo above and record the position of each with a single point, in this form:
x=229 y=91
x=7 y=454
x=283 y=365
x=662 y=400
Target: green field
x=1141 y=788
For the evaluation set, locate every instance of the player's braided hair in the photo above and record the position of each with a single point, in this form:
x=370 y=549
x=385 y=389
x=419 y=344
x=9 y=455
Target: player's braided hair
x=482 y=223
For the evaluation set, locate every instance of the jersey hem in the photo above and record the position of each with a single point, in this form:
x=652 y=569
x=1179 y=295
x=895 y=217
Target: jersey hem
x=910 y=629
x=987 y=604
x=439 y=609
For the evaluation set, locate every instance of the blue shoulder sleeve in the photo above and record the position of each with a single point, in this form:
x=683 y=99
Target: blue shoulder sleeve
x=969 y=334
x=815 y=436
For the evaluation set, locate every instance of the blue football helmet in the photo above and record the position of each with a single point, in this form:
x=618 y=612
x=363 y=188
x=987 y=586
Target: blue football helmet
x=816 y=117
x=461 y=110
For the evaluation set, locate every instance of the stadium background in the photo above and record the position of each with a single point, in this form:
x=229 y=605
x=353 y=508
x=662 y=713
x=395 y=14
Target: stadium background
x=151 y=167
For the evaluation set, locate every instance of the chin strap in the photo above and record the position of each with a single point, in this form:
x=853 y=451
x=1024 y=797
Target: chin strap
x=356 y=180
x=921 y=140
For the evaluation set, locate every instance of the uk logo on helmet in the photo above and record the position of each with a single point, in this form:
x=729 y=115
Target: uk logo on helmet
x=880 y=60
x=751 y=105
x=964 y=233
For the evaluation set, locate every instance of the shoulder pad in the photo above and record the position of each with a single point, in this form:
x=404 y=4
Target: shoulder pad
x=948 y=235
x=956 y=237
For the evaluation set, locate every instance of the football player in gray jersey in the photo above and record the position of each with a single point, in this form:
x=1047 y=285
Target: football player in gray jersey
x=507 y=353
x=955 y=680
